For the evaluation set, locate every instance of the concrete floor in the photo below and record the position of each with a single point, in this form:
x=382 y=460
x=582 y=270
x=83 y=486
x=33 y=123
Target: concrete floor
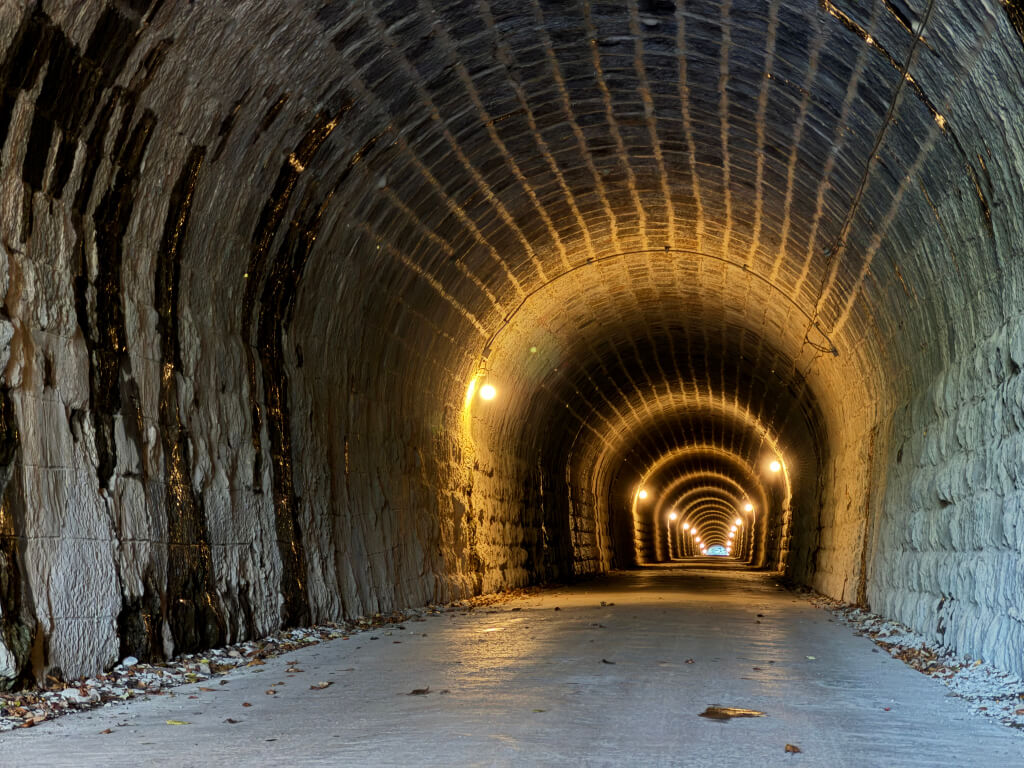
x=525 y=684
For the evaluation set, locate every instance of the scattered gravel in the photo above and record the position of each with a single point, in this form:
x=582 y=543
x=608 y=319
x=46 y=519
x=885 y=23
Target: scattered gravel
x=132 y=679
x=985 y=689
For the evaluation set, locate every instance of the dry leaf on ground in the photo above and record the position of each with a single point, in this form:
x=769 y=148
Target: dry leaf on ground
x=726 y=713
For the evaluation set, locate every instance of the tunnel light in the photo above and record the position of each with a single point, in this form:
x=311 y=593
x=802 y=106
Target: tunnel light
x=697 y=539
x=642 y=494
x=686 y=526
x=487 y=392
x=775 y=466
x=731 y=534
x=738 y=521
x=672 y=515
x=748 y=507
x=733 y=529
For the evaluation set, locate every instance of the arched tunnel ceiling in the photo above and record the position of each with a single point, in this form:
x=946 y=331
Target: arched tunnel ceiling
x=776 y=142
x=730 y=193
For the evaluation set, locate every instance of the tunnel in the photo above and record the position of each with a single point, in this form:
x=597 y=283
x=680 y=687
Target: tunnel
x=316 y=310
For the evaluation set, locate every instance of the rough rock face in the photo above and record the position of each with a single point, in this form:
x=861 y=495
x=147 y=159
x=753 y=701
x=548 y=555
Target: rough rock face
x=259 y=260
x=948 y=557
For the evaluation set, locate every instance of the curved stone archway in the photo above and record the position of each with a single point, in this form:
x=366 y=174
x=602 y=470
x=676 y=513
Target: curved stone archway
x=262 y=261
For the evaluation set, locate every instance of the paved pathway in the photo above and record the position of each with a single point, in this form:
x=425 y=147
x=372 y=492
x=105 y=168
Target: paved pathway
x=587 y=684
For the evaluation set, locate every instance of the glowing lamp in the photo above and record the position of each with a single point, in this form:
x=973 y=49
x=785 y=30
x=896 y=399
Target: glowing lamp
x=697 y=539
x=686 y=526
x=672 y=515
x=748 y=507
x=775 y=466
x=738 y=521
x=487 y=392
x=642 y=494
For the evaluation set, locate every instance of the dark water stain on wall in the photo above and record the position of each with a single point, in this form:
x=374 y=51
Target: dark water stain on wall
x=275 y=308
x=193 y=606
x=17 y=623
x=266 y=229
x=71 y=88
x=279 y=280
x=1015 y=13
x=108 y=341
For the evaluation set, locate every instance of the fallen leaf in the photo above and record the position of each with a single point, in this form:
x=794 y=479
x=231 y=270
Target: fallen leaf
x=887 y=709
x=246 y=704
x=605 y=661
x=793 y=748
x=1018 y=712
x=690 y=661
x=293 y=670
x=811 y=658
x=232 y=721
x=208 y=690
x=106 y=731
x=725 y=713
x=321 y=685
x=271 y=692
x=540 y=710
x=756 y=669
x=419 y=691
x=178 y=722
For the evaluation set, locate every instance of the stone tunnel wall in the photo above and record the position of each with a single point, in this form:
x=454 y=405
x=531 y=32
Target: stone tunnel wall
x=948 y=554
x=171 y=481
